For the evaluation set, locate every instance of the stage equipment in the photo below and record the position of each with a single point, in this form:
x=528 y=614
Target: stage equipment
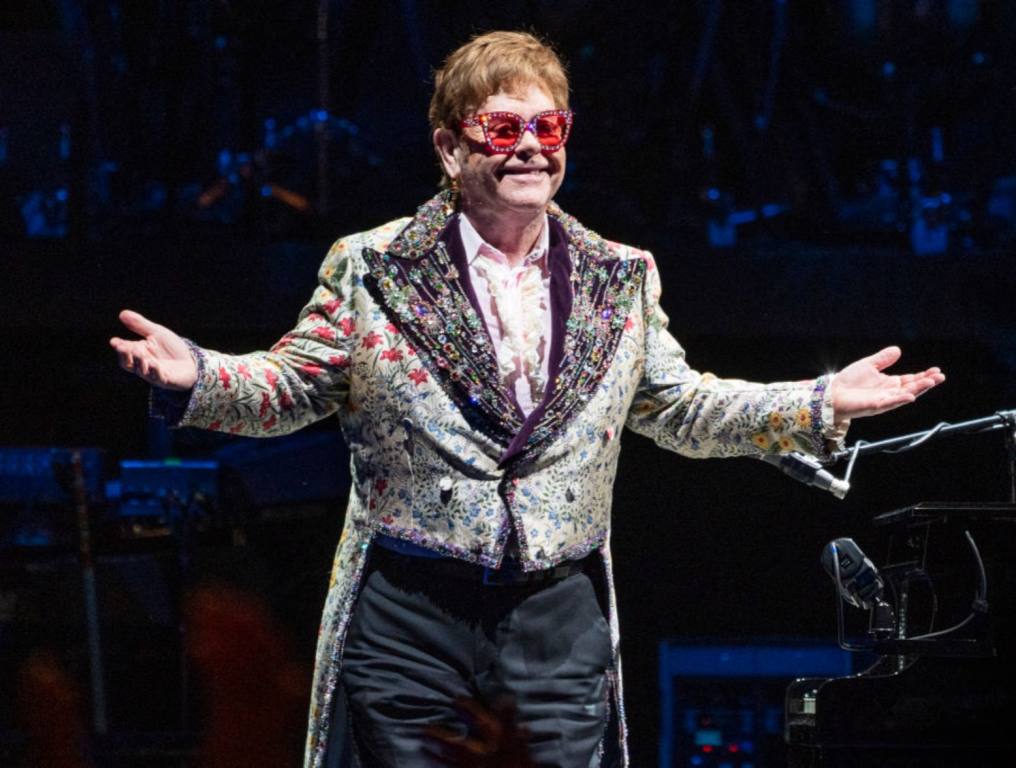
x=808 y=470
x=41 y=486
x=936 y=696
x=721 y=705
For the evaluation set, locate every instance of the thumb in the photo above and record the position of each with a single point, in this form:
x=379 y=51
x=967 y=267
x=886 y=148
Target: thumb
x=885 y=357
x=138 y=323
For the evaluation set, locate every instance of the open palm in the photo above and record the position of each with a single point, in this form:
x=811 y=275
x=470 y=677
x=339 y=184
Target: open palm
x=862 y=389
x=160 y=356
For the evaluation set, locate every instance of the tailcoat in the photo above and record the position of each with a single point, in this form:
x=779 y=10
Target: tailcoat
x=393 y=342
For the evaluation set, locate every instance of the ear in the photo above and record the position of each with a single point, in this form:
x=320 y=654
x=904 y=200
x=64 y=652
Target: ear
x=445 y=144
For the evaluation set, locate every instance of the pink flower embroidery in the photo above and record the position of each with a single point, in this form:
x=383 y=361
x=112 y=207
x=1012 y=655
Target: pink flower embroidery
x=266 y=401
x=372 y=339
x=311 y=369
x=392 y=355
x=347 y=326
x=391 y=328
x=285 y=401
x=242 y=370
x=380 y=484
x=269 y=424
x=324 y=332
x=271 y=378
x=338 y=361
x=332 y=306
x=418 y=376
x=224 y=377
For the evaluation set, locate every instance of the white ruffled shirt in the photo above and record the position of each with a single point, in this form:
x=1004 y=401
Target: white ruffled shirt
x=515 y=302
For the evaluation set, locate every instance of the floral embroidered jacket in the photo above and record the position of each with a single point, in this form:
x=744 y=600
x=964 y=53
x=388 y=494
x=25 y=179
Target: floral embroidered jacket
x=392 y=342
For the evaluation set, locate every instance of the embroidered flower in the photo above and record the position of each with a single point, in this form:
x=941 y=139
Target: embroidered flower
x=372 y=339
x=786 y=444
x=762 y=441
x=271 y=378
x=311 y=369
x=803 y=418
x=775 y=420
x=332 y=306
x=224 y=377
x=392 y=355
x=266 y=402
x=269 y=424
x=285 y=401
x=418 y=376
x=324 y=332
x=243 y=371
x=338 y=361
x=347 y=326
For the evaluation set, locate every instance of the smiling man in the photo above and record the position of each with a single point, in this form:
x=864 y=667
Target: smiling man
x=483 y=357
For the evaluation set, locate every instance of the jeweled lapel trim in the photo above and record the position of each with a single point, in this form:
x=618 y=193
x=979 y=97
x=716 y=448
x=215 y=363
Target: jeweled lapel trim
x=423 y=292
x=604 y=290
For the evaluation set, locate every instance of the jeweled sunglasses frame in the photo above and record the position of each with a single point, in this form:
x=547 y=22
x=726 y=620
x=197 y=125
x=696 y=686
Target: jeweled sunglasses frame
x=484 y=118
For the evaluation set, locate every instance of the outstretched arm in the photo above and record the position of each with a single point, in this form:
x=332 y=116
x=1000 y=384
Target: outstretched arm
x=862 y=389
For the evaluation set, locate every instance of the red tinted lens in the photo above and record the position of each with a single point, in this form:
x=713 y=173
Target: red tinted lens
x=503 y=130
x=550 y=129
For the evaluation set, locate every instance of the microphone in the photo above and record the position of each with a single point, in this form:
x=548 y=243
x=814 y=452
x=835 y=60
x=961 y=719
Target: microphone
x=859 y=581
x=808 y=470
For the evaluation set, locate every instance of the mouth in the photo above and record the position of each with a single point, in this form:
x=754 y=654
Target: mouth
x=522 y=173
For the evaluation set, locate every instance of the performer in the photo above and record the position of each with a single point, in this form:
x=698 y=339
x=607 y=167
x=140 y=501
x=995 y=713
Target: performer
x=483 y=357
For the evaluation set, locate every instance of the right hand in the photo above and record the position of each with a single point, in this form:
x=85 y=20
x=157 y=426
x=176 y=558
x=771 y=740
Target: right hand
x=160 y=357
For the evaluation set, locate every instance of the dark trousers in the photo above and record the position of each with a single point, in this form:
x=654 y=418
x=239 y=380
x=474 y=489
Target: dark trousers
x=419 y=642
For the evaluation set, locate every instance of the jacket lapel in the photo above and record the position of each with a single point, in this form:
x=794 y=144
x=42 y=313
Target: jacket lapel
x=422 y=283
x=592 y=293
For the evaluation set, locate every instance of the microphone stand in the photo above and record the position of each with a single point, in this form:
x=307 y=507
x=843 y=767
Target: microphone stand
x=1004 y=420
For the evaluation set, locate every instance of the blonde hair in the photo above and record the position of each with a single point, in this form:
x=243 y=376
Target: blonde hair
x=491 y=63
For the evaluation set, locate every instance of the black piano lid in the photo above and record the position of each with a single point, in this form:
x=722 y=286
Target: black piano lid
x=958 y=512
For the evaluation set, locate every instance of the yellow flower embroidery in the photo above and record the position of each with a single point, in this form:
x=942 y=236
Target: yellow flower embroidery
x=761 y=441
x=775 y=420
x=786 y=444
x=803 y=418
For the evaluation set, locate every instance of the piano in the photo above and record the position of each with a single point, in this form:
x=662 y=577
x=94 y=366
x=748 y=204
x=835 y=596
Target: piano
x=940 y=690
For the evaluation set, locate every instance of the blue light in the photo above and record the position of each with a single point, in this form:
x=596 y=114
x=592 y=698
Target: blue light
x=61 y=195
x=978 y=57
x=747 y=746
x=321 y=115
x=713 y=193
x=266 y=190
x=696 y=759
x=220 y=42
x=888 y=69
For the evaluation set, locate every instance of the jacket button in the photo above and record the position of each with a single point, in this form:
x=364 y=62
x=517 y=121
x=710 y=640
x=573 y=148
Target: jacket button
x=445 y=483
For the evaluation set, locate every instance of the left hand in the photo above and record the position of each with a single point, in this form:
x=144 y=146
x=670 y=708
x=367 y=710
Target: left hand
x=862 y=389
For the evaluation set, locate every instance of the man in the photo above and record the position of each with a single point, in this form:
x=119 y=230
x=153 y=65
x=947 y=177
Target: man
x=483 y=358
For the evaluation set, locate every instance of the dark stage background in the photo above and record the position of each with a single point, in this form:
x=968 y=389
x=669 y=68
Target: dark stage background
x=816 y=180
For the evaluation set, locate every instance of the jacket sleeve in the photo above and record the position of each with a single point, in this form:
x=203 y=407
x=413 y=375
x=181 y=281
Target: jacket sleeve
x=302 y=378
x=700 y=415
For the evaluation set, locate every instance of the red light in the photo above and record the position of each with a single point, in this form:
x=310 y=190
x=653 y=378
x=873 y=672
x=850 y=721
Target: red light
x=707 y=748
x=733 y=748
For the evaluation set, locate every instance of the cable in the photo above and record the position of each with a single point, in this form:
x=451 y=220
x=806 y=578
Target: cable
x=980 y=597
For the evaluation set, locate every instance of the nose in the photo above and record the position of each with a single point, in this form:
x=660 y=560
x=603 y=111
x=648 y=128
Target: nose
x=529 y=145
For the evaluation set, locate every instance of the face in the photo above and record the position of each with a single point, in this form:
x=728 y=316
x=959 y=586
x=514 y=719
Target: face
x=509 y=186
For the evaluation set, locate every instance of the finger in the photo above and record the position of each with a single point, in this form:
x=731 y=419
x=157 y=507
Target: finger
x=138 y=323
x=885 y=357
